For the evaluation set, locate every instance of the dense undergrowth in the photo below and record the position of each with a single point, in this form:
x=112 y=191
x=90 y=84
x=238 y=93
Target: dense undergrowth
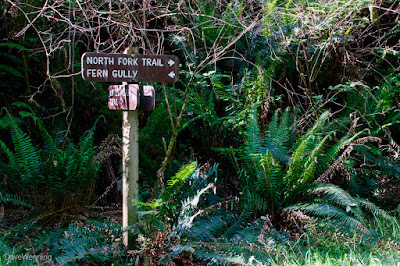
x=278 y=146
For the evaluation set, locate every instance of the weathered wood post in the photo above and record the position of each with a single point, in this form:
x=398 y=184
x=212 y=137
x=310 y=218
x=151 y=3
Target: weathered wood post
x=130 y=166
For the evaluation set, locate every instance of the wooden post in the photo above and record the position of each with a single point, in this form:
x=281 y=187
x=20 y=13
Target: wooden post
x=130 y=166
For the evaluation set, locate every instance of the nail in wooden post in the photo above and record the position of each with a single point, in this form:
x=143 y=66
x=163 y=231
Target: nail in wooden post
x=130 y=166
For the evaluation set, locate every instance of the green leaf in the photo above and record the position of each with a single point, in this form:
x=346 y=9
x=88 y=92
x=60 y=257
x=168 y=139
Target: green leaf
x=14 y=45
x=11 y=70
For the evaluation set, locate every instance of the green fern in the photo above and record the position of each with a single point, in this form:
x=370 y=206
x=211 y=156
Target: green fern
x=351 y=212
x=66 y=173
x=182 y=175
x=25 y=157
x=14 y=199
x=373 y=171
x=177 y=202
x=14 y=45
x=224 y=239
x=338 y=215
x=91 y=242
x=11 y=70
x=273 y=183
x=11 y=63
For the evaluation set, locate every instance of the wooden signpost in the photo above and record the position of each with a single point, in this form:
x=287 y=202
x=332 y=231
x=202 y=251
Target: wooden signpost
x=128 y=67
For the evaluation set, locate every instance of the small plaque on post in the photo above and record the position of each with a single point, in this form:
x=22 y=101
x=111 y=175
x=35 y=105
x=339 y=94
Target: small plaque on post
x=123 y=97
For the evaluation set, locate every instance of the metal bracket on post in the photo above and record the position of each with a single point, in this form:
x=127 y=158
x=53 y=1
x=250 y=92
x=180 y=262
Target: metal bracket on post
x=126 y=87
x=147 y=98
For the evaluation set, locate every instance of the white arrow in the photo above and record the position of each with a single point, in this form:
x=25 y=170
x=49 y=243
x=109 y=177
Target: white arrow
x=171 y=62
x=172 y=74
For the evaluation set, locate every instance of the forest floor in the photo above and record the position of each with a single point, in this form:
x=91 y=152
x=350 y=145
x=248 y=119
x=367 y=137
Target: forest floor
x=312 y=246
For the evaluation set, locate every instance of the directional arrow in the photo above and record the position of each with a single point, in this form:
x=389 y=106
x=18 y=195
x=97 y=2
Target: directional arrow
x=171 y=63
x=172 y=74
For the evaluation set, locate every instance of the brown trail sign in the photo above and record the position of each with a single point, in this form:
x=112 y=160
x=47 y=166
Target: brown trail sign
x=130 y=67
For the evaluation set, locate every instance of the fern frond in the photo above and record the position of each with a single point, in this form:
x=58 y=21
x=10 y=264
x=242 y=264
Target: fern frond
x=334 y=194
x=295 y=165
x=212 y=228
x=256 y=202
x=14 y=199
x=284 y=131
x=337 y=196
x=272 y=172
x=10 y=155
x=150 y=132
x=183 y=174
x=379 y=214
x=39 y=123
x=326 y=210
x=335 y=150
x=15 y=45
x=26 y=155
x=384 y=165
x=319 y=125
x=92 y=241
x=213 y=256
x=273 y=128
x=179 y=199
x=278 y=135
x=188 y=212
x=178 y=249
x=245 y=246
x=253 y=134
x=219 y=258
